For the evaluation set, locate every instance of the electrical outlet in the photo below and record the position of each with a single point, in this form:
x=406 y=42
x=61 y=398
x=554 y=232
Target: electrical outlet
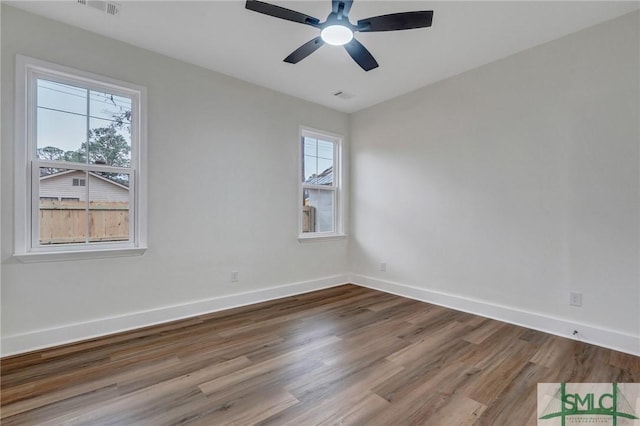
x=383 y=266
x=234 y=276
x=575 y=299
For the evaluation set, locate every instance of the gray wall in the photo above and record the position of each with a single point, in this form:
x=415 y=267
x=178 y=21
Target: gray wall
x=223 y=189
x=511 y=184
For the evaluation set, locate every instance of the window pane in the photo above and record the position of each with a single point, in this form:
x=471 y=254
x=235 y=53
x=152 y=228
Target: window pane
x=318 y=161
x=108 y=207
x=60 y=135
x=108 y=144
x=318 y=210
x=61 y=126
x=64 y=209
x=62 y=97
x=325 y=156
x=310 y=167
x=110 y=136
x=63 y=129
x=109 y=107
x=63 y=214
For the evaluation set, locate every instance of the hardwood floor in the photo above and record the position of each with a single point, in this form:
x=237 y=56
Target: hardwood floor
x=345 y=355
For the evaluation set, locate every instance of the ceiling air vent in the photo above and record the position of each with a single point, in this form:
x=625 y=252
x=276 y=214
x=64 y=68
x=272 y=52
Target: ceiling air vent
x=343 y=95
x=109 y=7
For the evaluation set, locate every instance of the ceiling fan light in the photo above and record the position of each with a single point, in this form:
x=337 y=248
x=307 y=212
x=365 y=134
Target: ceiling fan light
x=336 y=35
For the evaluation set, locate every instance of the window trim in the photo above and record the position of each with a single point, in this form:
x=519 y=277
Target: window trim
x=27 y=71
x=338 y=187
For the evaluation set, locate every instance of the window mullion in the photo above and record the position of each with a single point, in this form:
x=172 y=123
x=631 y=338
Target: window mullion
x=132 y=207
x=34 y=172
x=81 y=166
x=35 y=201
x=317 y=157
x=86 y=173
x=320 y=187
x=88 y=129
x=87 y=212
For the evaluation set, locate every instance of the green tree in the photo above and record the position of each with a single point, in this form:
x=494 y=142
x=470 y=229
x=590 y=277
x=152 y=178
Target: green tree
x=106 y=146
x=122 y=120
x=75 y=156
x=53 y=154
x=50 y=153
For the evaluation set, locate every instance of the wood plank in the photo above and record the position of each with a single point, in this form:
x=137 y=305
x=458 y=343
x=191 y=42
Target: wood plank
x=344 y=355
x=250 y=410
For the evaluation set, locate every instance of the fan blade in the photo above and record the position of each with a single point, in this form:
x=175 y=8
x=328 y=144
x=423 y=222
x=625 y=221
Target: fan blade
x=347 y=6
x=305 y=50
x=361 y=55
x=281 y=12
x=397 y=21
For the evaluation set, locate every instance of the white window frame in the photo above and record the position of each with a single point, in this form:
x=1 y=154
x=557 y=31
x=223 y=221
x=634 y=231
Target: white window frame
x=26 y=234
x=338 y=173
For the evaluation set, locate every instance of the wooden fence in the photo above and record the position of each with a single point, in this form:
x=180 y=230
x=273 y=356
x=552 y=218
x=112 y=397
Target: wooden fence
x=64 y=222
x=308 y=219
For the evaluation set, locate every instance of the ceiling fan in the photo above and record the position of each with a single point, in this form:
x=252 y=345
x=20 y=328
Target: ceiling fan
x=338 y=30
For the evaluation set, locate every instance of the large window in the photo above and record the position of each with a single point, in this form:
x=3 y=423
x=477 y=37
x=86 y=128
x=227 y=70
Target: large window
x=320 y=213
x=80 y=188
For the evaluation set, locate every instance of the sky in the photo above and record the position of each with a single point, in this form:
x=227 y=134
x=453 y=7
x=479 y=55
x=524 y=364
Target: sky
x=63 y=110
x=318 y=156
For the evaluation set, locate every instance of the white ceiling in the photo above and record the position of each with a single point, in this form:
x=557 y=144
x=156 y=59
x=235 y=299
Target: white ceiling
x=225 y=37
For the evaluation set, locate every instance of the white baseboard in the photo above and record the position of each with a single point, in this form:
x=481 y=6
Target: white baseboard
x=607 y=338
x=26 y=342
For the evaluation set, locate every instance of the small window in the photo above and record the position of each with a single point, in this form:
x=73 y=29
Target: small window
x=87 y=130
x=320 y=213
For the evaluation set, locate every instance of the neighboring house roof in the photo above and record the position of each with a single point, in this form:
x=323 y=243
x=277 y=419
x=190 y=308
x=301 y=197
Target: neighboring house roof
x=67 y=172
x=324 y=178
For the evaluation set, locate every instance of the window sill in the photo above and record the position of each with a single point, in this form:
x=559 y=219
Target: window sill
x=320 y=237
x=35 y=257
